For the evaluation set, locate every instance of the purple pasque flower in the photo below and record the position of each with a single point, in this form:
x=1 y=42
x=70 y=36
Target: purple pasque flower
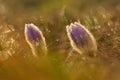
x=81 y=39
x=32 y=32
x=35 y=39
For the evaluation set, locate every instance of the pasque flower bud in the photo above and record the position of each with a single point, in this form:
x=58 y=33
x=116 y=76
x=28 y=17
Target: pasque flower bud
x=81 y=39
x=35 y=39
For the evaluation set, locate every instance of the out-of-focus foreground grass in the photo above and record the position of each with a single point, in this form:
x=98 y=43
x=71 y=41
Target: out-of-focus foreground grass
x=101 y=17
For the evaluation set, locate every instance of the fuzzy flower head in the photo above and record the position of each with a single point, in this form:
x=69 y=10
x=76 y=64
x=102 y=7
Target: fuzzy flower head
x=81 y=39
x=32 y=32
x=35 y=38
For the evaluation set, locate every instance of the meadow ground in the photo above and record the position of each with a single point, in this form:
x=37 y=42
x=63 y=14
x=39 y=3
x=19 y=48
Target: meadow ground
x=100 y=17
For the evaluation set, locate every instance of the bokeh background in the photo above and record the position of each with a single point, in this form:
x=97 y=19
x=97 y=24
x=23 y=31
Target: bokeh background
x=101 y=17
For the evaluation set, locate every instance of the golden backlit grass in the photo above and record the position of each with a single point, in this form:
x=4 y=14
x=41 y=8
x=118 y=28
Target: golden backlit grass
x=101 y=18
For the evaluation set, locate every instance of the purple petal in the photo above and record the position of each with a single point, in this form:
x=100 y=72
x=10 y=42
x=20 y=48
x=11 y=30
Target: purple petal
x=32 y=33
x=81 y=39
x=78 y=34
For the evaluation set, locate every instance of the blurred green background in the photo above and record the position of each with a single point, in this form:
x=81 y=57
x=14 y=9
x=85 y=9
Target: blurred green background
x=101 y=17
